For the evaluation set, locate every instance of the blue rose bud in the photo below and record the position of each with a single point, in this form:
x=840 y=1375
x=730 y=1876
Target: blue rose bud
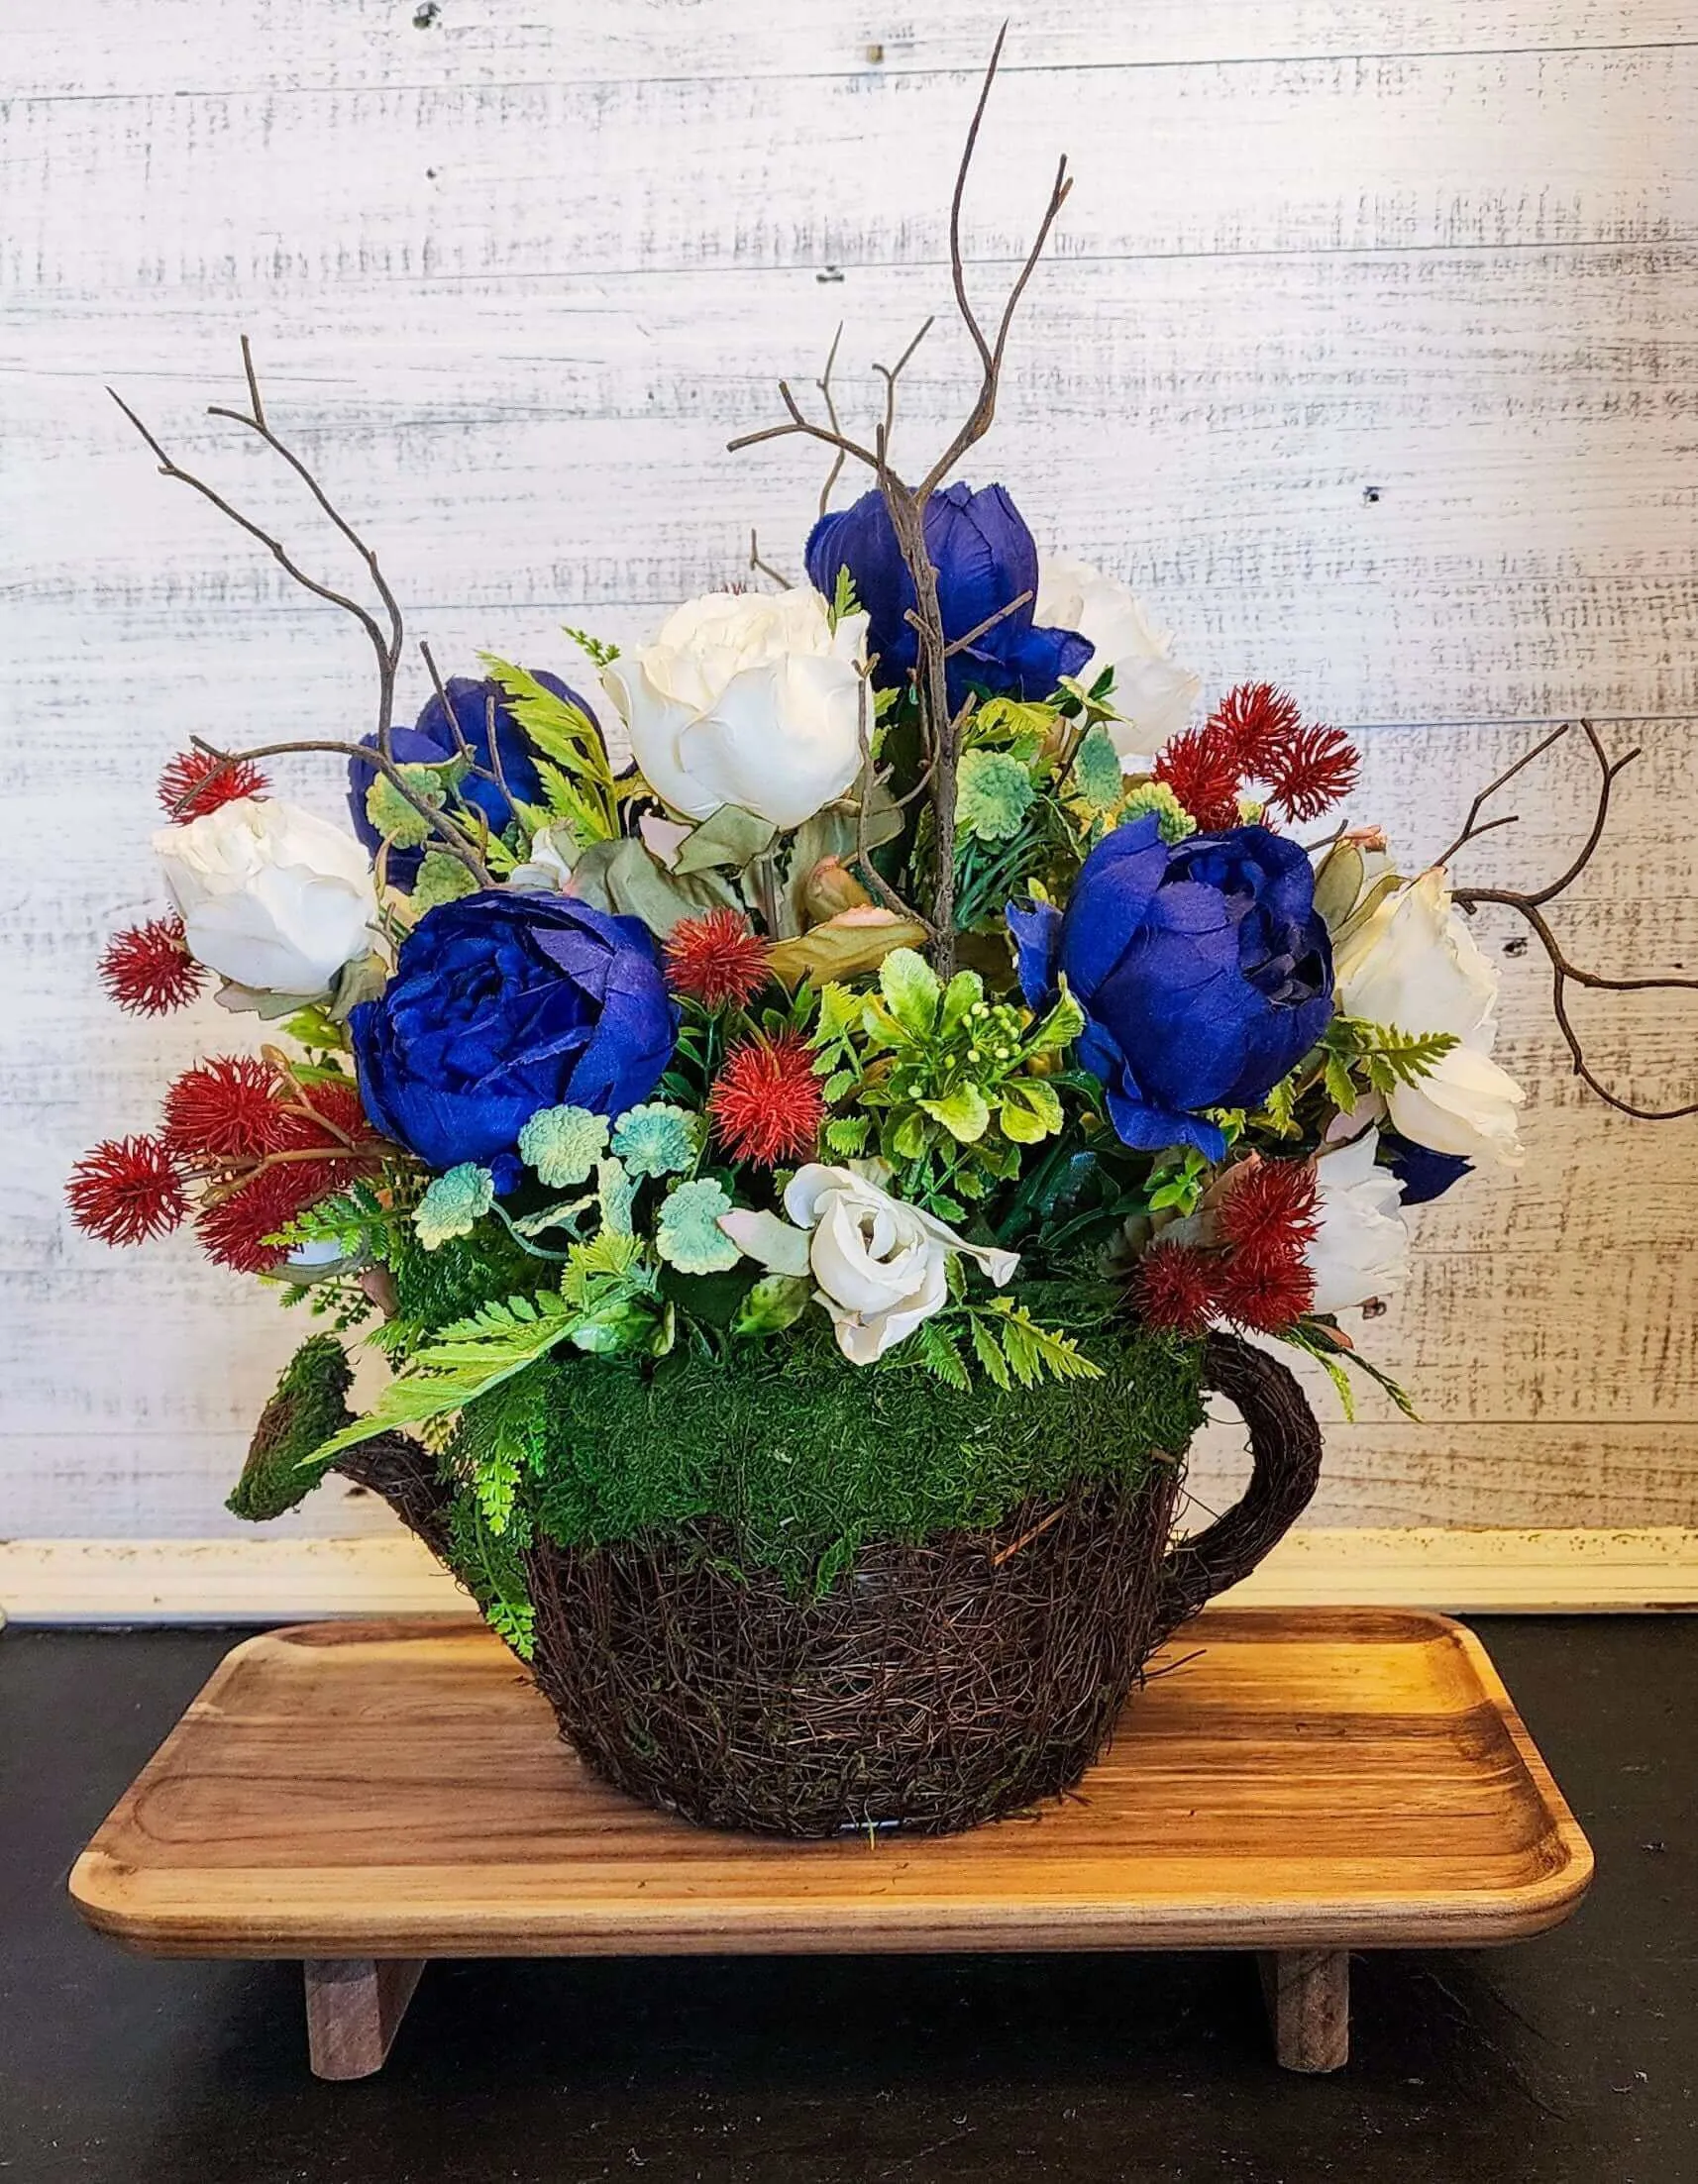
x=1202 y=966
x=502 y=1003
x=1424 y=1174
x=985 y=557
x=431 y=741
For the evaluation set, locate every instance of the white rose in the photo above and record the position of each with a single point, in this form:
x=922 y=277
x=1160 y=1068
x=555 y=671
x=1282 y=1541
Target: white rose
x=1414 y=965
x=1466 y=1103
x=1361 y=1247
x=747 y=698
x=1151 y=693
x=882 y=1267
x=269 y=896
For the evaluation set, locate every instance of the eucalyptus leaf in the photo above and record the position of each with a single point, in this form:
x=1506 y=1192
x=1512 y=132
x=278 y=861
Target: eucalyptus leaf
x=248 y=1001
x=844 y=947
x=1337 y=883
x=625 y=879
x=728 y=841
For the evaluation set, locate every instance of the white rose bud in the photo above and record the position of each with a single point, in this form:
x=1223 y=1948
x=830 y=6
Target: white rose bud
x=747 y=698
x=1360 y=1250
x=1465 y=1105
x=270 y=896
x=1151 y=693
x=882 y=1267
x=1414 y=965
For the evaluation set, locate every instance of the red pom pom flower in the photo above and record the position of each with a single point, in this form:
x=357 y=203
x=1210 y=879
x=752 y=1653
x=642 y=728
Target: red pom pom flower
x=1256 y=734
x=148 y=969
x=1268 y=1292
x=1314 y=769
x=766 y=1104
x=1254 y=722
x=1271 y=1208
x=195 y=782
x=1174 y=1287
x=1201 y=769
x=234 y=1228
x=127 y=1190
x=228 y=1108
x=716 y=958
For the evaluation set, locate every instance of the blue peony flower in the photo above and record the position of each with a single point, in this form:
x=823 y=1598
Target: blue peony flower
x=502 y=1003
x=1424 y=1174
x=431 y=741
x=985 y=557
x=1202 y=966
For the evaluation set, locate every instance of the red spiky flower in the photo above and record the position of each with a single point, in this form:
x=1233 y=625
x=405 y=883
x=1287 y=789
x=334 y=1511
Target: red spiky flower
x=1174 y=1287
x=195 y=782
x=716 y=958
x=234 y=1228
x=1256 y=734
x=767 y=1104
x=127 y=1190
x=1266 y=1291
x=1200 y=766
x=228 y=1107
x=1312 y=771
x=1271 y=1208
x=334 y=1116
x=1256 y=720
x=148 y=969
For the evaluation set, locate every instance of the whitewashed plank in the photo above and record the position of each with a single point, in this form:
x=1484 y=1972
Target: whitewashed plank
x=307 y=192
x=83 y=49
x=1210 y=428
x=522 y=369
x=1498 y=1471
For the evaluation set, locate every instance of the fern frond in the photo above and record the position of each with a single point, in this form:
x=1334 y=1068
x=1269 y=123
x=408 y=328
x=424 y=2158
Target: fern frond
x=988 y=1351
x=940 y=1353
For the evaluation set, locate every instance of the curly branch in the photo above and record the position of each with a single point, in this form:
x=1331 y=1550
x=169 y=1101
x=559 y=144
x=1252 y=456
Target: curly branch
x=451 y=836
x=1529 y=904
x=906 y=505
x=387 y=647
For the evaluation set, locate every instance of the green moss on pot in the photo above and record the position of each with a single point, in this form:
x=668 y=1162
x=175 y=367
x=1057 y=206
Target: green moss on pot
x=806 y=1457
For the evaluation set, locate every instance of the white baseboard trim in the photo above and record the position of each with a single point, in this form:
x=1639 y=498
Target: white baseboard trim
x=273 y=1580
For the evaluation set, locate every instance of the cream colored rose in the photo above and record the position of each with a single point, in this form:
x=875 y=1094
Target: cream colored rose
x=1414 y=965
x=1153 y=694
x=882 y=1267
x=270 y=896
x=1360 y=1248
x=747 y=698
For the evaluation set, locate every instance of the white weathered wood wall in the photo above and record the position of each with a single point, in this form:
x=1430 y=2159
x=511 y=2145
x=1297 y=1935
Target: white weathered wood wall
x=1366 y=351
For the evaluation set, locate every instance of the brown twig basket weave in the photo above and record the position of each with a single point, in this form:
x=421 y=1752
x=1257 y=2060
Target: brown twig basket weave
x=932 y=1687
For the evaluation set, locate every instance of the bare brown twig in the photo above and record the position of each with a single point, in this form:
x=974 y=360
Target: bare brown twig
x=1529 y=904
x=906 y=505
x=385 y=644
x=766 y=568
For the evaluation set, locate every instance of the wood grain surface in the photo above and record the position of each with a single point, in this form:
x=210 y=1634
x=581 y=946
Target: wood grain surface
x=1364 y=354
x=1307 y=1780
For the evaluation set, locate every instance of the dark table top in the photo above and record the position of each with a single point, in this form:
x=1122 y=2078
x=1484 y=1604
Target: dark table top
x=1569 y=2059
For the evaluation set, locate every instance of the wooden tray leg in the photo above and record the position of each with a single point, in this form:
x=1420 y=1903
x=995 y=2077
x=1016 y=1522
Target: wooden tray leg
x=354 y=2008
x=1308 y=1994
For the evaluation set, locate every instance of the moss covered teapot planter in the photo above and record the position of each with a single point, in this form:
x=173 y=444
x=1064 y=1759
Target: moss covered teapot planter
x=806 y=1125
x=792 y=1636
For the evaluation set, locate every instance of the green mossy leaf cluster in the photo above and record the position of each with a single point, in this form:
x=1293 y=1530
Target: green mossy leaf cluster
x=806 y=1457
x=309 y=1406
x=434 y=1287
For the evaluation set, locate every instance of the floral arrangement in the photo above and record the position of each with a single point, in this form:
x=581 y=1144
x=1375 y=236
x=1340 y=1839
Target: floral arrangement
x=905 y=966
